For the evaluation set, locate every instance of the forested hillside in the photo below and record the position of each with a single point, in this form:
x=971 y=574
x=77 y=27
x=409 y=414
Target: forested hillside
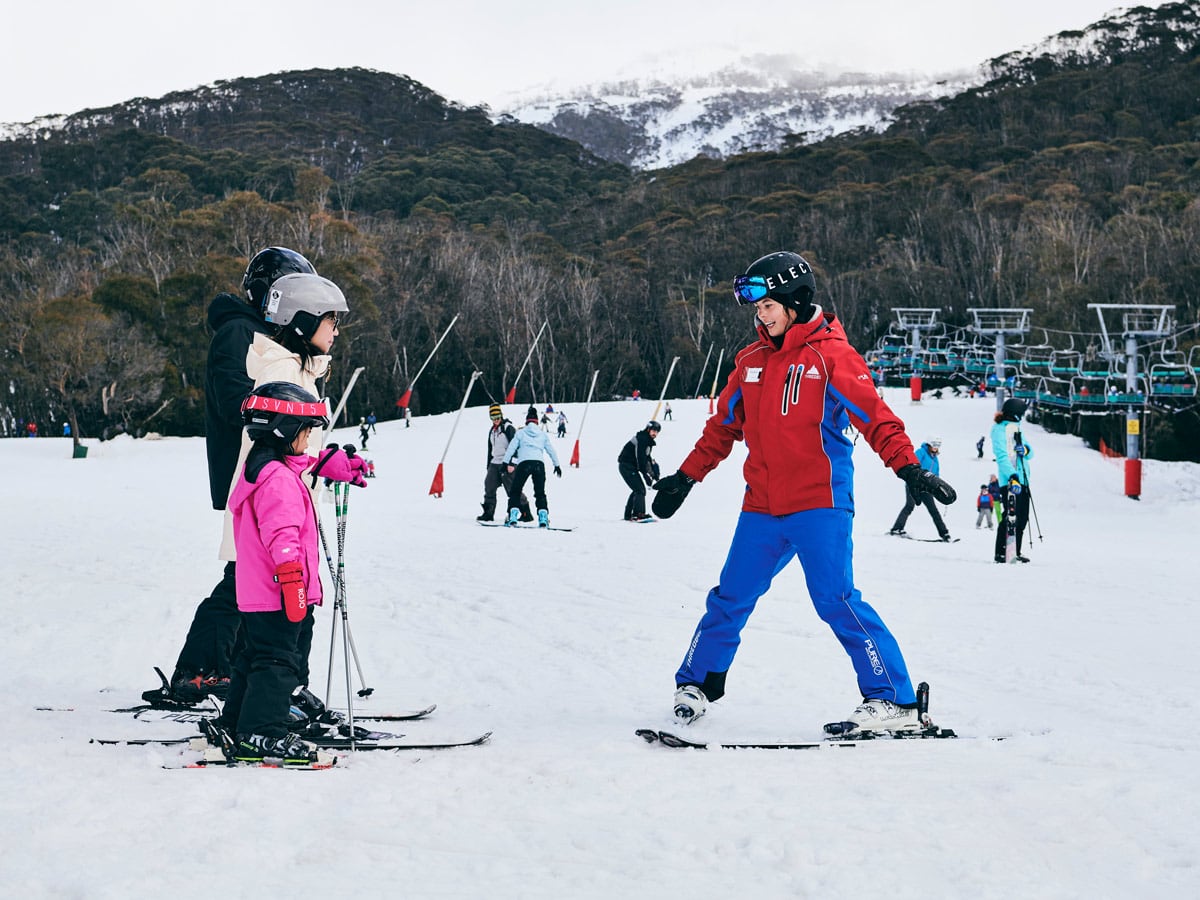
x=1069 y=178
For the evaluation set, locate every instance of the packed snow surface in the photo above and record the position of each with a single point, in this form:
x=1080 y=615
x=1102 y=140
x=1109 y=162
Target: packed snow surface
x=564 y=643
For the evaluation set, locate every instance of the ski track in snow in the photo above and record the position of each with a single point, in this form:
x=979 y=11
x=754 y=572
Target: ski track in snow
x=564 y=643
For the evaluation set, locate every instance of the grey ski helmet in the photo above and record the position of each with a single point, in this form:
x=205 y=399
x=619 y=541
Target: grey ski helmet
x=279 y=410
x=301 y=300
x=268 y=265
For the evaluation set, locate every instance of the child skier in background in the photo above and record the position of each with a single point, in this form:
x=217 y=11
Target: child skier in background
x=278 y=571
x=984 y=505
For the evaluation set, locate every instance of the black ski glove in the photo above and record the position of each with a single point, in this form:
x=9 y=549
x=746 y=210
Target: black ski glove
x=672 y=491
x=921 y=481
x=558 y=471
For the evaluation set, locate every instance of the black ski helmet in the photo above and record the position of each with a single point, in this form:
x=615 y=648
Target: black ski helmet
x=1013 y=409
x=268 y=265
x=279 y=410
x=784 y=276
x=653 y=425
x=301 y=299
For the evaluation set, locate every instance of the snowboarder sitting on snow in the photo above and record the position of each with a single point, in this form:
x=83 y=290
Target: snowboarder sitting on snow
x=524 y=460
x=278 y=571
x=791 y=396
x=927 y=456
x=634 y=464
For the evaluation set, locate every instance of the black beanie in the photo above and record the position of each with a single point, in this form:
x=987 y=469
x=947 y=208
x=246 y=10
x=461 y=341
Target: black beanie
x=531 y=416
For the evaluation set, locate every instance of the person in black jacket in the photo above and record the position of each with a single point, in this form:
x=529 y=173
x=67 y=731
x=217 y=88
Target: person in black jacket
x=500 y=435
x=635 y=465
x=204 y=662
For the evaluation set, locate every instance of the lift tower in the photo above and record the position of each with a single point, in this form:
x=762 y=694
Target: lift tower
x=1138 y=320
x=999 y=324
x=914 y=321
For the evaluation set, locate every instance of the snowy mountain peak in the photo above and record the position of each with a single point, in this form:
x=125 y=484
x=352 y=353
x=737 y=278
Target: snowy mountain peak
x=753 y=103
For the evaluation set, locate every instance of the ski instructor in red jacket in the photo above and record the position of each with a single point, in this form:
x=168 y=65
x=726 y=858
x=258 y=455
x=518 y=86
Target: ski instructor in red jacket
x=791 y=397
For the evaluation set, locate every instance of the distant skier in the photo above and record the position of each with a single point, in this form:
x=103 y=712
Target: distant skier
x=979 y=446
x=562 y=424
x=983 y=504
x=524 y=460
x=927 y=456
x=635 y=464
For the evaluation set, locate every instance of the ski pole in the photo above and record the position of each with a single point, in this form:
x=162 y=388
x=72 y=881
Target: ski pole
x=340 y=509
x=349 y=636
x=1028 y=486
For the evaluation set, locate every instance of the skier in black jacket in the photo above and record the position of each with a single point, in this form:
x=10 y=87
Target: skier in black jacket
x=635 y=465
x=203 y=666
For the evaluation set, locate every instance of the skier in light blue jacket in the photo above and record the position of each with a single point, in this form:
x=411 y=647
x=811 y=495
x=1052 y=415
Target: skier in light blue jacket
x=927 y=456
x=524 y=460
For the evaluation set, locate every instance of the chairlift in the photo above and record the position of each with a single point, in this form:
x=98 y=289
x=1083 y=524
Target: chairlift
x=976 y=361
x=1035 y=359
x=1119 y=393
x=1054 y=393
x=1172 y=377
x=1065 y=363
x=1089 y=394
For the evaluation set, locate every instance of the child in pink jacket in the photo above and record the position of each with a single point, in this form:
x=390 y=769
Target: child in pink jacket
x=278 y=571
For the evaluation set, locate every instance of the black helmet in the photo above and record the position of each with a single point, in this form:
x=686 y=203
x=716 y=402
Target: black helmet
x=278 y=410
x=1013 y=408
x=266 y=266
x=652 y=425
x=783 y=276
x=301 y=299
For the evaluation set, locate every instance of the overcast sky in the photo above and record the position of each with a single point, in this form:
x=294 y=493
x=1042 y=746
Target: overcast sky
x=62 y=57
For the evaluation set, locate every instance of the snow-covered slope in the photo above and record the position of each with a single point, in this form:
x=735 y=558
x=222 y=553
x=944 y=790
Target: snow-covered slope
x=564 y=643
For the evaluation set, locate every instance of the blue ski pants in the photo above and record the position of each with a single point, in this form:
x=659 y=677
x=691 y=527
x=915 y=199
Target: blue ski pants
x=762 y=545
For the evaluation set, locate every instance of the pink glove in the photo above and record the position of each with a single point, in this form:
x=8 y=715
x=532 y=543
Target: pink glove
x=335 y=464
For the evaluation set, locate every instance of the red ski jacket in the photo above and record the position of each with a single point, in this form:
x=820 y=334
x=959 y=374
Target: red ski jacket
x=792 y=407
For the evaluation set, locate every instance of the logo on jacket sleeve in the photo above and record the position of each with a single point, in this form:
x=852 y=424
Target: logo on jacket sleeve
x=753 y=376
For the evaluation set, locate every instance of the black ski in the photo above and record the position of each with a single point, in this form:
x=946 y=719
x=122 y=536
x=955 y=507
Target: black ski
x=192 y=715
x=930 y=540
x=358 y=745
x=326 y=743
x=527 y=526
x=669 y=739
x=219 y=763
x=142 y=742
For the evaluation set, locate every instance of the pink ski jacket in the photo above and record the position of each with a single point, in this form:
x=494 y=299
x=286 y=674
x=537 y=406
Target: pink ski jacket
x=274 y=523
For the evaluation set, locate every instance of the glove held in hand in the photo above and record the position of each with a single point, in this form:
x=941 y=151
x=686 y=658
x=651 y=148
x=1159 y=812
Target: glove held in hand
x=672 y=491
x=290 y=576
x=338 y=465
x=920 y=481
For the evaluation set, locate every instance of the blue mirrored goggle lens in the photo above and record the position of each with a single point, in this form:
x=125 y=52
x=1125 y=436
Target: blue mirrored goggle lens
x=750 y=288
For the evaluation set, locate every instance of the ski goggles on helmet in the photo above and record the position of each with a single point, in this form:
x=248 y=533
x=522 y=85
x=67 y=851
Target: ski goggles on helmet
x=749 y=289
x=313 y=414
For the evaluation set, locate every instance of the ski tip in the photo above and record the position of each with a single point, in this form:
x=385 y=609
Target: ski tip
x=649 y=735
